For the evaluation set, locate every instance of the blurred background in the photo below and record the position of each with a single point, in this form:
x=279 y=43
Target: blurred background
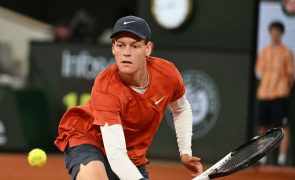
x=51 y=51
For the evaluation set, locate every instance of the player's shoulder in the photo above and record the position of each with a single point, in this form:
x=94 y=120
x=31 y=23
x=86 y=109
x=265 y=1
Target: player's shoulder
x=164 y=70
x=108 y=73
x=107 y=81
x=162 y=64
x=158 y=60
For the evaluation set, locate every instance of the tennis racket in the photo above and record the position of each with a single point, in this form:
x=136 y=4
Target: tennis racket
x=245 y=155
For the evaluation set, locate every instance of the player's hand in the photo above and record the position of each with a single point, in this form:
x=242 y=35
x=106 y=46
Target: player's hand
x=192 y=163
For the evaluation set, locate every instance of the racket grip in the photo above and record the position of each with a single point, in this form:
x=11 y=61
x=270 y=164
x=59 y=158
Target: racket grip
x=201 y=178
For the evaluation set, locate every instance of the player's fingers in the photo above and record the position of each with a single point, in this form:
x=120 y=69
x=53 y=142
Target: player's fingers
x=198 y=171
x=195 y=167
x=199 y=167
x=195 y=159
x=194 y=162
x=191 y=166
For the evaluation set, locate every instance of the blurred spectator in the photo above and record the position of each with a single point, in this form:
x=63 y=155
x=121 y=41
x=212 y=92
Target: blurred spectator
x=274 y=69
x=62 y=31
x=104 y=38
x=83 y=27
x=10 y=75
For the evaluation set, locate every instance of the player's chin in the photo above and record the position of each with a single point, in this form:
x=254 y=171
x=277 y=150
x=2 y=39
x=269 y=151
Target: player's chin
x=126 y=69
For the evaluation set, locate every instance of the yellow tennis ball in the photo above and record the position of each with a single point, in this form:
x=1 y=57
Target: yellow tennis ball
x=37 y=158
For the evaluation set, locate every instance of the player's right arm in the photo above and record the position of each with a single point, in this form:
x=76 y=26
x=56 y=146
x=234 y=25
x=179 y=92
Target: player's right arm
x=106 y=108
x=115 y=147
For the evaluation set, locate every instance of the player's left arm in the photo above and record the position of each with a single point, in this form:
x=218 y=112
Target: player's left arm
x=182 y=115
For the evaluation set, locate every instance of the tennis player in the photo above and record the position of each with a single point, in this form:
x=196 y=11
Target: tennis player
x=108 y=138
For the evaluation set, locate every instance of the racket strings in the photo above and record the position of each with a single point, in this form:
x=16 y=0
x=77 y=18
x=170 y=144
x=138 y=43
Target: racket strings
x=253 y=150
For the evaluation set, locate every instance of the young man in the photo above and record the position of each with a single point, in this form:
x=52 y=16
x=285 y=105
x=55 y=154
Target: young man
x=109 y=137
x=275 y=70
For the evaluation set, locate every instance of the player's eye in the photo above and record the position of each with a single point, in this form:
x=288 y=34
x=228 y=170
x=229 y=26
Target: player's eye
x=119 y=45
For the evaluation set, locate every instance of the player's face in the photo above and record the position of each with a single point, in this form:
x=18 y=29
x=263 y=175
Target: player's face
x=130 y=52
x=275 y=35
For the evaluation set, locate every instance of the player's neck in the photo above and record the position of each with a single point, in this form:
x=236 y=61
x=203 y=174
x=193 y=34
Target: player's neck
x=138 y=79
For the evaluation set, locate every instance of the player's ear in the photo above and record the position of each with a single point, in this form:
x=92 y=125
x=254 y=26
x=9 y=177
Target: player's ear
x=113 y=52
x=113 y=44
x=149 y=48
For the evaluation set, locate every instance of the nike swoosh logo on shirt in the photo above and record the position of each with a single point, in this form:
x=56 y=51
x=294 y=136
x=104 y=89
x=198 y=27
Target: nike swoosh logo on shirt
x=128 y=22
x=158 y=101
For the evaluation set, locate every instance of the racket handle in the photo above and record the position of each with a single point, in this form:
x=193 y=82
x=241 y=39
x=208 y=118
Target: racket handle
x=201 y=178
x=205 y=174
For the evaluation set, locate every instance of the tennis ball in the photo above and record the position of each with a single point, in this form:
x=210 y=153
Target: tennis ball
x=37 y=158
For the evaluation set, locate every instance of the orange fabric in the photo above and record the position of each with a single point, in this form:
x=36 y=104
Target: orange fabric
x=275 y=65
x=114 y=102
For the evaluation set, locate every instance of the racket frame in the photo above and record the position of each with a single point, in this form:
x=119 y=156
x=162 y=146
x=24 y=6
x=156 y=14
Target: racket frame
x=209 y=173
